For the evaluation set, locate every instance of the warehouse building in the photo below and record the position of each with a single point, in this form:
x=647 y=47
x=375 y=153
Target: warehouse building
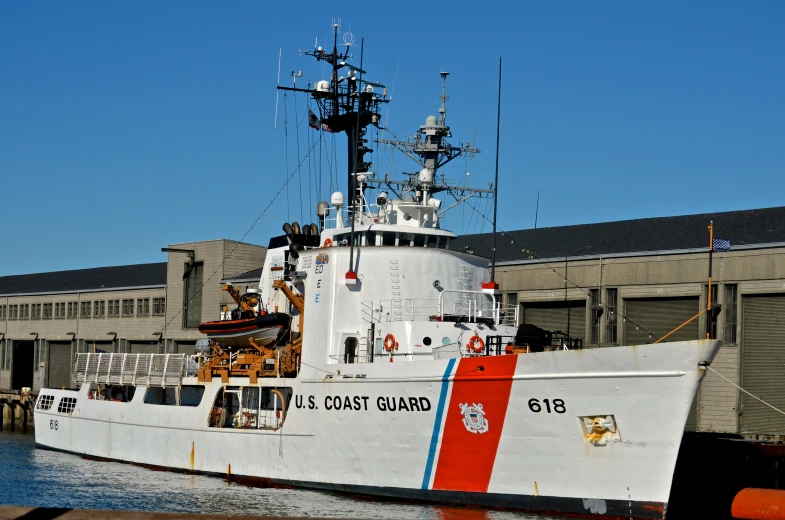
x=46 y=318
x=633 y=282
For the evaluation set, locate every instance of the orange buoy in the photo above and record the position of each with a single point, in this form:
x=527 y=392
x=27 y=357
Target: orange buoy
x=759 y=504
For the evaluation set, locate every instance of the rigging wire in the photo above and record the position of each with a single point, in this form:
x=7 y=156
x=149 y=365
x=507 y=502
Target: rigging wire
x=567 y=280
x=241 y=241
x=745 y=391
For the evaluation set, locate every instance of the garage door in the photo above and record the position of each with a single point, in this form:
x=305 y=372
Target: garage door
x=143 y=347
x=659 y=316
x=763 y=363
x=59 y=364
x=185 y=347
x=557 y=316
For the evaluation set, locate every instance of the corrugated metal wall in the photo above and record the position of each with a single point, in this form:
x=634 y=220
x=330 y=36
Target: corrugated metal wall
x=553 y=316
x=763 y=363
x=659 y=316
x=59 y=364
x=143 y=347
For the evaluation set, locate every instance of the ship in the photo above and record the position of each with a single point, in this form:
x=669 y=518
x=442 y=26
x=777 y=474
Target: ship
x=393 y=369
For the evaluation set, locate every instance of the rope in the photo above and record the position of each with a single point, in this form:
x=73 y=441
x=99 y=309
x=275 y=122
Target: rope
x=746 y=392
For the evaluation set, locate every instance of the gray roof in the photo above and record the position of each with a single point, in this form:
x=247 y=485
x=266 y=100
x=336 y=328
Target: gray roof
x=95 y=279
x=648 y=235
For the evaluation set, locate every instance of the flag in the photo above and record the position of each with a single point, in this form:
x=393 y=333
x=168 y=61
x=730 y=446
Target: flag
x=720 y=245
x=313 y=121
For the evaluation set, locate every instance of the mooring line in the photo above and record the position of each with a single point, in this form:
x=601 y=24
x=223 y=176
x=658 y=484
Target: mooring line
x=745 y=391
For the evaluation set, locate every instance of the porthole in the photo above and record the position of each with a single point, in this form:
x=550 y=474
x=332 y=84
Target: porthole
x=445 y=341
x=426 y=341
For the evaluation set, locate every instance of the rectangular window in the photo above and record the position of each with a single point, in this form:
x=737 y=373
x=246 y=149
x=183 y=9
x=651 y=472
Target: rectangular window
x=73 y=309
x=66 y=405
x=128 y=307
x=159 y=306
x=388 y=238
x=2 y=354
x=13 y=312
x=86 y=306
x=729 y=312
x=44 y=402
x=60 y=310
x=24 y=311
x=2 y=312
x=192 y=297
x=99 y=309
x=143 y=307
x=48 y=311
x=596 y=313
x=714 y=302
x=35 y=311
x=114 y=308
x=611 y=330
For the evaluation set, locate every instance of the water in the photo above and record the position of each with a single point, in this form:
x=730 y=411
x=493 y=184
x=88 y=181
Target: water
x=40 y=478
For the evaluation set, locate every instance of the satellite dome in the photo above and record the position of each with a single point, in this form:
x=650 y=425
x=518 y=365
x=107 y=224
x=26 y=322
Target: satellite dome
x=337 y=199
x=430 y=121
x=323 y=86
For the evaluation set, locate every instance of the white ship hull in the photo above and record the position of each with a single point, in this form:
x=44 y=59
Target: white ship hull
x=462 y=430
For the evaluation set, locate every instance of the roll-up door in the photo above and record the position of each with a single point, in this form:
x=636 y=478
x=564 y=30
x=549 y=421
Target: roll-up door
x=646 y=319
x=185 y=347
x=557 y=316
x=659 y=316
x=143 y=347
x=763 y=363
x=59 y=364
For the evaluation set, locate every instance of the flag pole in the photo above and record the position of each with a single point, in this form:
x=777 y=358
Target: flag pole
x=709 y=317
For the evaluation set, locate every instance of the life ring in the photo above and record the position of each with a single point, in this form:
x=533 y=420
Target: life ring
x=389 y=343
x=475 y=345
x=328 y=242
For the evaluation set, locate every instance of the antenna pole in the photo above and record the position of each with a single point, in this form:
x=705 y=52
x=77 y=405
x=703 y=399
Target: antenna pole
x=356 y=135
x=709 y=317
x=496 y=180
x=537 y=209
x=280 y=55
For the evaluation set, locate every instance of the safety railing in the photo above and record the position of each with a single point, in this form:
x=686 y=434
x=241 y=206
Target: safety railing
x=130 y=369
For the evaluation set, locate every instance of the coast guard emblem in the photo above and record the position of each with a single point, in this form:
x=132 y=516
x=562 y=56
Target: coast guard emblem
x=474 y=418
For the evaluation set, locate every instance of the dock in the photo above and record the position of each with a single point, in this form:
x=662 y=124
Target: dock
x=16 y=410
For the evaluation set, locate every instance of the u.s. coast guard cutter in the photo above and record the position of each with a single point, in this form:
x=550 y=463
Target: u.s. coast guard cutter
x=394 y=369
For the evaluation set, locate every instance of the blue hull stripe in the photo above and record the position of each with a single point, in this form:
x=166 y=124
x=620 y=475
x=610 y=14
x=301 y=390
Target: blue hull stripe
x=437 y=426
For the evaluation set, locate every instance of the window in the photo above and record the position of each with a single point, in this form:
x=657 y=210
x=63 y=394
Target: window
x=36 y=311
x=190 y=395
x=60 y=310
x=729 y=311
x=611 y=330
x=24 y=311
x=114 y=308
x=73 y=308
x=143 y=307
x=2 y=312
x=128 y=307
x=13 y=312
x=86 y=306
x=159 y=306
x=192 y=297
x=44 y=402
x=714 y=303
x=388 y=238
x=2 y=354
x=596 y=314
x=66 y=405
x=99 y=308
x=48 y=311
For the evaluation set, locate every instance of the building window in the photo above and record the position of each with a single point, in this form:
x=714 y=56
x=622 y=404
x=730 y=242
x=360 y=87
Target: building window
x=86 y=306
x=611 y=330
x=192 y=295
x=35 y=311
x=48 y=311
x=731 y=297
x=99 y=308
x=60 y=310
x=143 y=307
x=73 y=309
x=114 y=308
x=714 y=302
x=2 y=312
x=128 y=307
x=159 y=306
x=596 y=313
x=13 y=312
x=5 y=346
x=24 y=311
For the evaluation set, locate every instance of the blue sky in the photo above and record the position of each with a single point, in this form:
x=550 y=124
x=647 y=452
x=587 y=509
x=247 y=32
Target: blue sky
x=125 y=127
